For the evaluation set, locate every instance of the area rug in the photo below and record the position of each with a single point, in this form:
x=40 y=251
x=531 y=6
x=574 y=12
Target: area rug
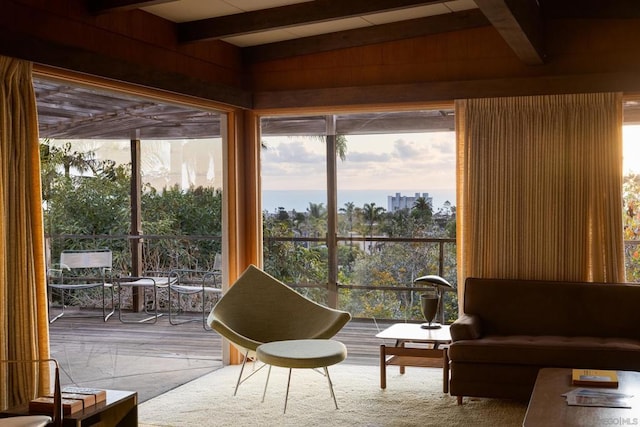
x=412 y=399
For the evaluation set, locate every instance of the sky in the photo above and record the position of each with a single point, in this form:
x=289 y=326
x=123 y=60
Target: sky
x=398 y=163
x=631 y=149
x=404 y=163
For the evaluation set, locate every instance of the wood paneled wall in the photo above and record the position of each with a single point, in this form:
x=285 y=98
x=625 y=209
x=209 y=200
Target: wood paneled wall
x=588 y=55
x=130 y=46
x=583 y=56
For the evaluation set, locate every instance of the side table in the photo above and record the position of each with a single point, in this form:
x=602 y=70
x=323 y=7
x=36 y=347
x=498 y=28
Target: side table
x=421 y=355
x=120 y=409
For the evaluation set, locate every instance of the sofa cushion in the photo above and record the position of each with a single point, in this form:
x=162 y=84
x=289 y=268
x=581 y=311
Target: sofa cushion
x=530 y=307
x=549 y=350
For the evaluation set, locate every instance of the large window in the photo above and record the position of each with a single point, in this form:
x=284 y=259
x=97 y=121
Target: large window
x=95 y=143
x=631 y=189
x=390 y=197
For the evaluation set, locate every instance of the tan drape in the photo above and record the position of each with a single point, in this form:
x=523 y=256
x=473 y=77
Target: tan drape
x=539 y=188
x=24 y=328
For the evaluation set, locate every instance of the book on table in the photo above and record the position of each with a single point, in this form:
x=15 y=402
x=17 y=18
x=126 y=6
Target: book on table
x=44 y=405
x=74 y=399
x=595 y=397
x=99 y=394
x=594 y=378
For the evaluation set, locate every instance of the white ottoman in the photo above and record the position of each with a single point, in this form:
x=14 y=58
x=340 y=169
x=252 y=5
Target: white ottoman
x=314 y=353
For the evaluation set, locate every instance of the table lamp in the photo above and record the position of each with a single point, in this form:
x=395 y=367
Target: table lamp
x=431 y=301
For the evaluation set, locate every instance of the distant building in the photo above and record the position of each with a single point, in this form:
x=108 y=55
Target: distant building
x=399 y=202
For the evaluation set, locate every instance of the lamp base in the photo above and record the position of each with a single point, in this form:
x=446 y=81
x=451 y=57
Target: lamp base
x=431 y=326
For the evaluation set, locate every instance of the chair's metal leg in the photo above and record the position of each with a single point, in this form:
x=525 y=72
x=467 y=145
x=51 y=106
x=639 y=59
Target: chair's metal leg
x=326 y=372
x=286 y=396
x=244 y=362
x=106 y=315
x=264 y=393
x=61 y=307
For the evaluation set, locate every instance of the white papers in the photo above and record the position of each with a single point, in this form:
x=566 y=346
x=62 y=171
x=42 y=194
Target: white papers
x=598 y=397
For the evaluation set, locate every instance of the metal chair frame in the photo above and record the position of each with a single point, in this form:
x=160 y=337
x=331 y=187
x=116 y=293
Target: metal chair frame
x=144 y=282
x=81 y=270
x=209 y=283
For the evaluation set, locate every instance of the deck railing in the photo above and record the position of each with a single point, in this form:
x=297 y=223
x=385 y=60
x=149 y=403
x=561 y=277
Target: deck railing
x=380 y=285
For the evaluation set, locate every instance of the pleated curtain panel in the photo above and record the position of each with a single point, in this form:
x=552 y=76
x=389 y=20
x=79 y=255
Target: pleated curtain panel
x=24 y=330
x=540 y=188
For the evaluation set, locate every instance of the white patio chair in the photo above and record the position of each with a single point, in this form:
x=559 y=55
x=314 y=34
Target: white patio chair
x=206 y=284
x=81 y=270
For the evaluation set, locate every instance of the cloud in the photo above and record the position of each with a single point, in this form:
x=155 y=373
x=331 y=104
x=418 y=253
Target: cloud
x=365 y=157
x=405 y=150
x=293 y=152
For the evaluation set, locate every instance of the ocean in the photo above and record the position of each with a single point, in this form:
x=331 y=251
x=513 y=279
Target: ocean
x=299 y=200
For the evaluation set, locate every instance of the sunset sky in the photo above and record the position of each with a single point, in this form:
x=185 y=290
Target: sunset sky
x=399 y=162
x=406 y=163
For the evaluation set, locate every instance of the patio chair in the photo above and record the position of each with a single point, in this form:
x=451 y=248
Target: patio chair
x=259 y=308
x=81 y=270
x=152 y=281
x=30 y=391
x=190 y=283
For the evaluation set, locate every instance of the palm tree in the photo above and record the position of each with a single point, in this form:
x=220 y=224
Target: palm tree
x=317 y=210
x=341 y=144
x=78 y=160
x=372 y=214
x=349 y=210
x=422 y=209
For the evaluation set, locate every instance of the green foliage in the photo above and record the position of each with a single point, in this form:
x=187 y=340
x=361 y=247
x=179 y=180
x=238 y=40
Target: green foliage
x=91 y=198
x=371 y=263
x=631 y=225
x=182 y=229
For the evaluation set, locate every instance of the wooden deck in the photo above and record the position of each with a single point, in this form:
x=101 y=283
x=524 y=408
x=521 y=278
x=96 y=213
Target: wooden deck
x=155 y=358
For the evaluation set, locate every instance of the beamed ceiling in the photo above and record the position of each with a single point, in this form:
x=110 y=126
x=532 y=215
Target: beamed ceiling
x=268 y=29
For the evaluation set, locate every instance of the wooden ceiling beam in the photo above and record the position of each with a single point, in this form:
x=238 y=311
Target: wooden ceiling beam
x=288 y=16
x=592 y=9
x=520 y=23
x=107 y=6
x=365 y=36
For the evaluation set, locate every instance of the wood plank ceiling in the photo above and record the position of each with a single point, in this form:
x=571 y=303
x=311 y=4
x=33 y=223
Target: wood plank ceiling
x=269 y=29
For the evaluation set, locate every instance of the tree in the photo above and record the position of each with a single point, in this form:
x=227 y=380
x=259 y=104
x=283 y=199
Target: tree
x=631 y=225
x=372 y=215
x=421 y=210
x=349 y=210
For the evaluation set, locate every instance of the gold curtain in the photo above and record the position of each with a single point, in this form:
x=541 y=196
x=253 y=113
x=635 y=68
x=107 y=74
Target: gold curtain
x=24 y=326
x=540 y=188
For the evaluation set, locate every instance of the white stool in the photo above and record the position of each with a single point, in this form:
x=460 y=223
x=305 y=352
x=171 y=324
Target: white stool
x=314 y=353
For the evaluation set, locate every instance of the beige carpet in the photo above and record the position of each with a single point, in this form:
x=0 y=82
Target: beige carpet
x=412 y=399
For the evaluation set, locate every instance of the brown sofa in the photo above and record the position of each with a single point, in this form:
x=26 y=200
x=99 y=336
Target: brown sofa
x=512 y=328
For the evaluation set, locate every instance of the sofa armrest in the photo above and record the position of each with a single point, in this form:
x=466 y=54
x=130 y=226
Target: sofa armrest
x=466 y=327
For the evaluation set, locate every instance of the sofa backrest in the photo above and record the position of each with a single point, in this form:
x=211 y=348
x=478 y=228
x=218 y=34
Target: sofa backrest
x=530 y=307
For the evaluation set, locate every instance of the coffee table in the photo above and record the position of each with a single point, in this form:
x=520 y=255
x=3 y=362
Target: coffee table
x=426 y=348
x=548 y=407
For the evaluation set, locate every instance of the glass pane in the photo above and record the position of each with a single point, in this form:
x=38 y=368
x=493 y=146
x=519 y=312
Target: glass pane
x=294 y=201
x=396 y=206
x=398 y=186
x=181 y=203
x=631 y=200
x=86 y=187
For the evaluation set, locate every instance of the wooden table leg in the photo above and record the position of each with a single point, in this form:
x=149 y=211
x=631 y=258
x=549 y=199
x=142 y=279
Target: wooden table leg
x=383 y=367
x=445 y=371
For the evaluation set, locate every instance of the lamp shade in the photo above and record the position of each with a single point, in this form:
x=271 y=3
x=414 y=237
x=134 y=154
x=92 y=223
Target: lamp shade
x=434 y=280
